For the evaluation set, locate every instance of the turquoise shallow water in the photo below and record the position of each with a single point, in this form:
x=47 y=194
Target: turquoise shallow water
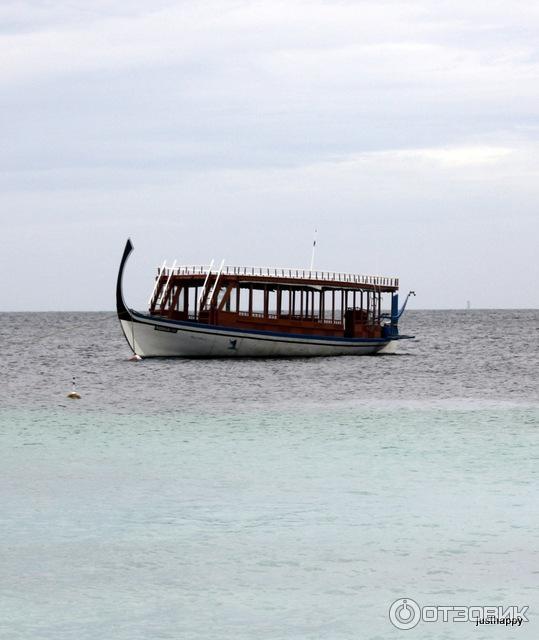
x=267 y=499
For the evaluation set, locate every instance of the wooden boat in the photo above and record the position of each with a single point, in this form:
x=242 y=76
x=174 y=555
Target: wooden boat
x=200 y=312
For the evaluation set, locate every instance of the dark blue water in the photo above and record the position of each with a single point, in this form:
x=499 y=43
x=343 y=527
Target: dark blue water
x=267 y=499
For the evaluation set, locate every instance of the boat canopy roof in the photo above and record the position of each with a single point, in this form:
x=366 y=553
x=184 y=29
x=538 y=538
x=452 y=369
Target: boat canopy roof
x=282 y=276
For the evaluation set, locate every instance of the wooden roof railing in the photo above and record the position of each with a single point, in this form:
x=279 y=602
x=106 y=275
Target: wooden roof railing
x=284 y=273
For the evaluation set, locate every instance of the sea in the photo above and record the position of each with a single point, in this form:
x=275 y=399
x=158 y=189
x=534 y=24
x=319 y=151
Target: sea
x=282 y=499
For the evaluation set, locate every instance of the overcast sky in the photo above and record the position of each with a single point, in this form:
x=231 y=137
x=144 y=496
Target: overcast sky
x=407 y=133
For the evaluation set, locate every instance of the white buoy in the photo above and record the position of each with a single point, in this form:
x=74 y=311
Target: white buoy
x=73 y=394
x=135 y=358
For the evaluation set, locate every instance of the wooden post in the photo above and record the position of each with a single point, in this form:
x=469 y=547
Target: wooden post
x=289 y=303
x=266 y=301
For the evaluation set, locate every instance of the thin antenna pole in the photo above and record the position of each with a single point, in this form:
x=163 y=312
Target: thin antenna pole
x=312 y=254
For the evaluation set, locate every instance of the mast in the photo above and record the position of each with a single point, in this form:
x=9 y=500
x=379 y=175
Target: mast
x=312 y=254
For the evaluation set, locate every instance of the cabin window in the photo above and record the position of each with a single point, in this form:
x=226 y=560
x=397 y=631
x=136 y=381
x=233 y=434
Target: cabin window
x=193 y=300
x=272 y=302
x=244 y=300
x=285 y=302
x=220 y=295
x=258 y=301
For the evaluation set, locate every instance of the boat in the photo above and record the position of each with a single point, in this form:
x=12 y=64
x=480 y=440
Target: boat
x=201 y=311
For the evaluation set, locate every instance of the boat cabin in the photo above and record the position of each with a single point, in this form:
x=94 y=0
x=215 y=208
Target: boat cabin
x=294 y=301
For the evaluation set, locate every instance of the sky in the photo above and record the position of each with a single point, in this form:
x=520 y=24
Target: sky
x=406 y=133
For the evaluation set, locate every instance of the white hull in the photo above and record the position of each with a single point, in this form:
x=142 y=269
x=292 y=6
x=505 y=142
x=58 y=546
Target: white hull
x=151 y=337
x=390 y=348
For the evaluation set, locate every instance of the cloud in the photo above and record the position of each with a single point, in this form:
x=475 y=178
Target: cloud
x=461 y=156
x=291 y=35
x=233 y=120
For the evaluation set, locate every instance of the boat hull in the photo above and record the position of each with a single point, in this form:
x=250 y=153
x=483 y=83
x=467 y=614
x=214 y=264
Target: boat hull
x=151 y=337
